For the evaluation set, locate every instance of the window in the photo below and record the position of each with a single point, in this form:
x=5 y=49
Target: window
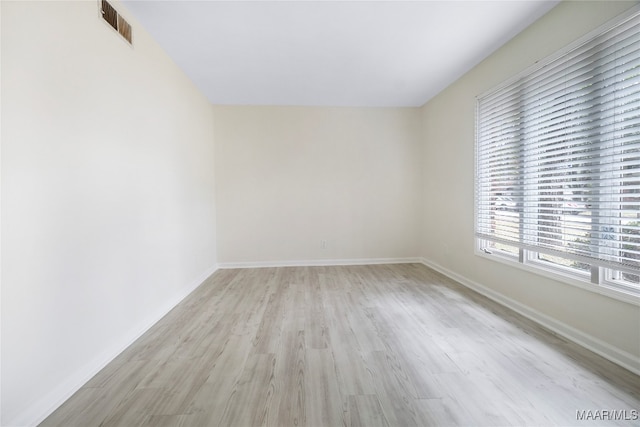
x=558 y=163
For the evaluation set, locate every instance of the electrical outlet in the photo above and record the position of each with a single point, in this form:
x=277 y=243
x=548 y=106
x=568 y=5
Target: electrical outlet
x=323 y=244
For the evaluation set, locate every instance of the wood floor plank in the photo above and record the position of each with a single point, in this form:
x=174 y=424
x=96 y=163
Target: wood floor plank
x=290 y=371
x=439 y=412
x=100 y=397
x=416 y=357
x=383 y=345
x=137 y=407
x=255 y=390
x=270 y=329
x=315 y=317
x=165 y=421
x=365 y=411
x=325 y=406
x=395 y=391
x=215 y=395
x=353 y=376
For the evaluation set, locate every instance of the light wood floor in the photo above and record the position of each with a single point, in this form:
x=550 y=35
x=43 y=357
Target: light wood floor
x=391 y=345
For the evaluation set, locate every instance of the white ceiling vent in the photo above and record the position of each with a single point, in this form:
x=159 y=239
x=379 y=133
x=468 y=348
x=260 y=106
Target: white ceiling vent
x=114 y=19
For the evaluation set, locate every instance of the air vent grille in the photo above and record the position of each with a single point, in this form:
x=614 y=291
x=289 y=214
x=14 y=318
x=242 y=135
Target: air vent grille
x=124 y=28
x=114 y=19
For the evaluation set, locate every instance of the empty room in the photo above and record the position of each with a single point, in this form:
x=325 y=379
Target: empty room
x=319 y=213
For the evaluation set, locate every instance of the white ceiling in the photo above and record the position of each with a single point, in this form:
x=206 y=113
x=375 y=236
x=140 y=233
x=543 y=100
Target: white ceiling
x=331 y=53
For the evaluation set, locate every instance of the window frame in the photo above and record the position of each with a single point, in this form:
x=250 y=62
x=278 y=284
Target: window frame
x=604 y=287
x=601 y=280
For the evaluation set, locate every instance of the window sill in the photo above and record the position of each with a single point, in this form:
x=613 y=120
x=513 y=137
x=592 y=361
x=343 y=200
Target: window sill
x=559 y=276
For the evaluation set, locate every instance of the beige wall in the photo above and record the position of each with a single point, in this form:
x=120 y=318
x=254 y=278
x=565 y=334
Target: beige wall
x=107 y=213
x=448 y=234
x=290 y=178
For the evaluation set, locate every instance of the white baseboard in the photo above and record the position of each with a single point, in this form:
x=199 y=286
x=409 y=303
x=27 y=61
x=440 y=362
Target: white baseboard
x=606 y=350
x=45 y=406
x=320 y=262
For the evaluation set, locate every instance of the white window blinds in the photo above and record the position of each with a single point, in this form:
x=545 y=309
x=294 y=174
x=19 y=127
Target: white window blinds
x=558 y=155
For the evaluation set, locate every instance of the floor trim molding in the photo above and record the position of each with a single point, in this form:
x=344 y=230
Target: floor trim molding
x=320 y=262
x=609 y=352
x=45 y=406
